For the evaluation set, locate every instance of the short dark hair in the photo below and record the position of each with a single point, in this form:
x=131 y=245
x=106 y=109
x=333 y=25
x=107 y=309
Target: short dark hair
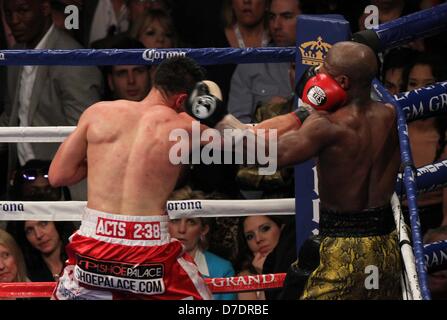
x=397 y=58
x=120 y=42
x=433 y=60
x=178 y=75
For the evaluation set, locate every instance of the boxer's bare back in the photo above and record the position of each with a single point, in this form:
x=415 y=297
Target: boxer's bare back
x=127 y=146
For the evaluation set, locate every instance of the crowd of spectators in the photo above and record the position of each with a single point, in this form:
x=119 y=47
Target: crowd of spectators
x=57 y=96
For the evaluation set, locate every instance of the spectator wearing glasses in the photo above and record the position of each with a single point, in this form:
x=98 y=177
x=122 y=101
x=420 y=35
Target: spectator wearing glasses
x=30 y=183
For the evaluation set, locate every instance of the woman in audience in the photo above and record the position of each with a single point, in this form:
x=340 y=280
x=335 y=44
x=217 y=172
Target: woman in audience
x=258 y=236
x=155 y=30
x=192 y=232
x=428 y=137
x=12 y=264
x=42 y=242
x=245 y=23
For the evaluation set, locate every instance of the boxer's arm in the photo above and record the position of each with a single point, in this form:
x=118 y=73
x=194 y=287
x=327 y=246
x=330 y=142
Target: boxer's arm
x=297 y=146
x=283 y=123
x=69 y=165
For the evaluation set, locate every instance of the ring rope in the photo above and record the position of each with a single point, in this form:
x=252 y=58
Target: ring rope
x=410 y=285
x=95 y=57
x=74 y=210
x=436 y=255
x=216 y=285
x=402 y=30
x=410 y=187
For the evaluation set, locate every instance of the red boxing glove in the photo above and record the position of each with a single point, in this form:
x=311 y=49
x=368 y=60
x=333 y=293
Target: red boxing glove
x=323 y=93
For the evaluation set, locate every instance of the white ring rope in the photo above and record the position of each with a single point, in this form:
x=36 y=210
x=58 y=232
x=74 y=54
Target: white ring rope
x=73 y=210
x=34 y=134
x=409 y=280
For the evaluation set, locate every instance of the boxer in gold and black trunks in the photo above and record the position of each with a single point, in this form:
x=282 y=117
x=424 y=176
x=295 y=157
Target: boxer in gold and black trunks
x=355 y=142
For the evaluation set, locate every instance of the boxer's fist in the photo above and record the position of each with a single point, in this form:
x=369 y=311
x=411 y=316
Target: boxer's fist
x=323 y=93
x=205 y=104
x=310 y=72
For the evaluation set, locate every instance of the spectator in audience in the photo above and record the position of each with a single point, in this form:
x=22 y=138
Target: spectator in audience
x=428 y=137
x=44 y=95
x=258 y=236
x=42 y=242
x=437 y=280
x=12 y=264
x=394 y=63
x=283 y=255
x=192 y=232
x=155 y=29
x=110 y=17
x=246 y=23
x=281 y=183
x=255 y=84
x=129 y=82
x=30 y=183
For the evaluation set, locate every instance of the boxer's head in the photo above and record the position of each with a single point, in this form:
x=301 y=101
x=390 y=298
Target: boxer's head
x=177 y=76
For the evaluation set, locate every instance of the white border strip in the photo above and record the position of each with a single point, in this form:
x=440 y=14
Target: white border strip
x=73 y=210
x=227 y=208
x=34 y=134
x=409 y=280
x=42 y=210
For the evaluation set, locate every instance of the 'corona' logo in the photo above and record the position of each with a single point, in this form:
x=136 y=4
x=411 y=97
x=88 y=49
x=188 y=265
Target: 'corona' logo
x=313 y=52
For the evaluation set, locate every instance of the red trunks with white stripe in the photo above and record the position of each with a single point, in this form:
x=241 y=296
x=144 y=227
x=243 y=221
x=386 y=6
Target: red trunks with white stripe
x=127 y=257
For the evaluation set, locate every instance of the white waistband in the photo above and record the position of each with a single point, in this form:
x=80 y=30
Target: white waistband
x=124 y=229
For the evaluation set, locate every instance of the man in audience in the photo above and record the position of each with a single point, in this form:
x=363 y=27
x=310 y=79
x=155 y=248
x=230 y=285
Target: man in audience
x=255 y=84
x=44 y=95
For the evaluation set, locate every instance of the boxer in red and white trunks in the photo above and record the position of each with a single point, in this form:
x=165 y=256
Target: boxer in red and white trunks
x=127 y=257
x=122 y=249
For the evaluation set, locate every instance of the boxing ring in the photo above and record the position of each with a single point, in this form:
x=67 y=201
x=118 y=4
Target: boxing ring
x=426 y=102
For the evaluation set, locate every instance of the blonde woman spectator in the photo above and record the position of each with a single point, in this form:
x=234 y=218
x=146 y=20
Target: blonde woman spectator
x=155 y=30
x=12 y=264
x=193 y=234
x=245 y=23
